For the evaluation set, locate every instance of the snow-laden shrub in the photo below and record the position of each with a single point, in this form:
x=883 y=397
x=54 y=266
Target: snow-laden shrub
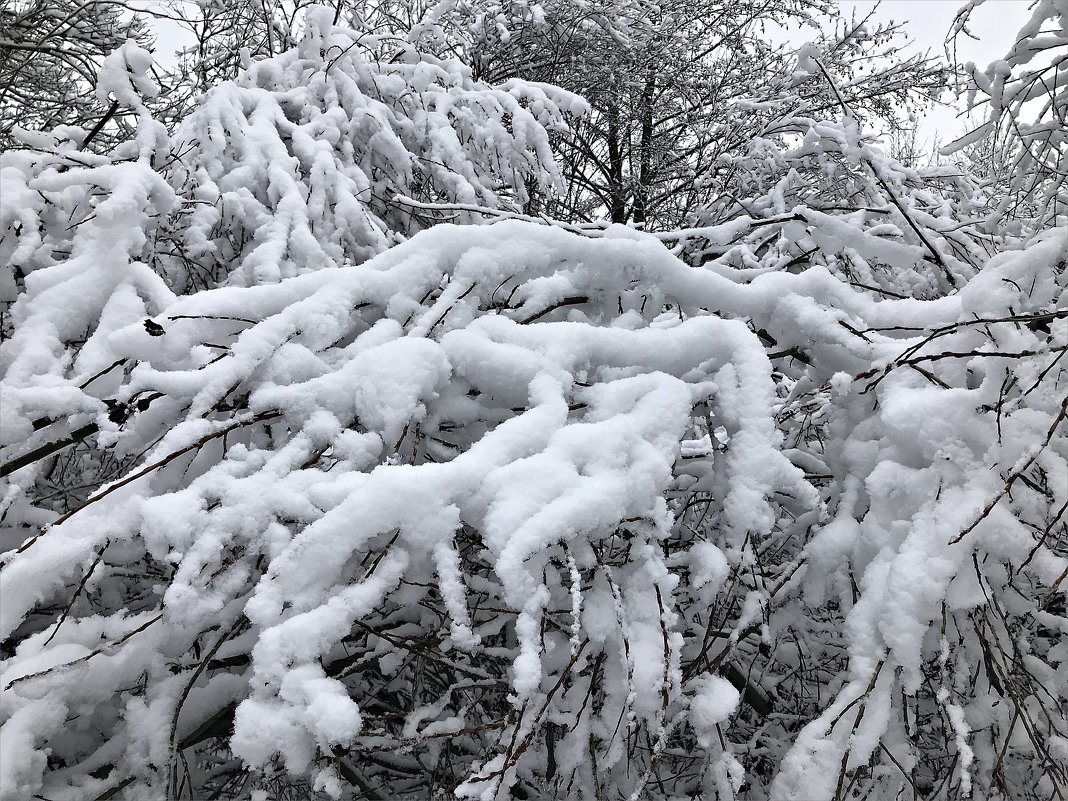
x=293 y=167
x=773 y=507
x=808 y=190
x=1020 y=144
x=494 y=510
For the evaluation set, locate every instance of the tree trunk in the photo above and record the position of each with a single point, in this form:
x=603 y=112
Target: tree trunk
x=645 y=152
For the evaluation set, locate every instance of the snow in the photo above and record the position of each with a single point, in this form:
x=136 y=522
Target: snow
x=538 y=479
x=124 y=76
x=714 y=700
x=708 y=565
x=559 y=505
